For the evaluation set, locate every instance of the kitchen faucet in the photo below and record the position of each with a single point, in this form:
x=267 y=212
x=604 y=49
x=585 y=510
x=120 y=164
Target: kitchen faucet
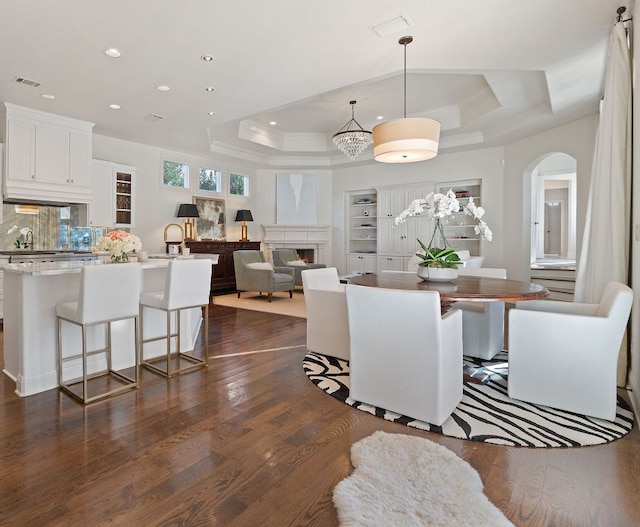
x=28 y=239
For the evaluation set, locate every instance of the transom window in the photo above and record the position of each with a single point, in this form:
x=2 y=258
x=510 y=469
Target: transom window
x=175 y=174
x=210 y=180
x=238 y=185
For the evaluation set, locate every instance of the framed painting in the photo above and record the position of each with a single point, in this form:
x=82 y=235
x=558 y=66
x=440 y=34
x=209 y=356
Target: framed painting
x=211 y=223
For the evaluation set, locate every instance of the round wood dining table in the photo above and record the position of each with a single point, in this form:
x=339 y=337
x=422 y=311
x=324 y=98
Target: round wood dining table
x=462 y=289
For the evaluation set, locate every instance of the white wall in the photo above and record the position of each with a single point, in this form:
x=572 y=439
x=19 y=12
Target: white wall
x=267 y=202
x=485 y=164
x=576 y=139
x=156 y=205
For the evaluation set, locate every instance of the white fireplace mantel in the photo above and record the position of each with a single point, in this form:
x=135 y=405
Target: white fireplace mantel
x=314 y=237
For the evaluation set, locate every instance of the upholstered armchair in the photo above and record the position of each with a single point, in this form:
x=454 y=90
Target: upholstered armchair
x=289 y=258
x=565 y=354
x=327 y=326
x=405 y=355
x=254 y=273
x=468 y=261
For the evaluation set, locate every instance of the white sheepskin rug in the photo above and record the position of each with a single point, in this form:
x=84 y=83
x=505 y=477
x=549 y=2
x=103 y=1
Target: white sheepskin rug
x=400 y=480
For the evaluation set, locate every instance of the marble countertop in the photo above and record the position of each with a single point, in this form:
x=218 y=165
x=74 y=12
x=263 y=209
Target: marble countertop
x=69 y=266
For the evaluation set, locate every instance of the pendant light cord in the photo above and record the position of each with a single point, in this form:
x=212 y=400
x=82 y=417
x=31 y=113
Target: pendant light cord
x=404 y=41
x=405 y=80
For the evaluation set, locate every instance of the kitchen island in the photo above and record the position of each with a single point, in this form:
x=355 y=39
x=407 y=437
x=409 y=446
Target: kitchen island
x=31 y=293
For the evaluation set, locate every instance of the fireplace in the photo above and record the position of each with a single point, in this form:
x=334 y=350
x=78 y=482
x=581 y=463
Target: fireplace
x=306 y=255
x=310 y=241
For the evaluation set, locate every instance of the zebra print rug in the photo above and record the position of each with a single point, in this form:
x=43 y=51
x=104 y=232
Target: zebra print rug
x=486 y=413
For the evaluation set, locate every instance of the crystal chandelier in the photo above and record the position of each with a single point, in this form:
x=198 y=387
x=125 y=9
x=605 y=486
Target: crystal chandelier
x=352 y=142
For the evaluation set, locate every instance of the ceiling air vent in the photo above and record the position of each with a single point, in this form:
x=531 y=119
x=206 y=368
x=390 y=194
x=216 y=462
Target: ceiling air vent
x=392 y=27
x=28 y=82
x=153 y=118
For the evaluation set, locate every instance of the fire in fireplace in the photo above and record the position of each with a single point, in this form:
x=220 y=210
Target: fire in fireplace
x=306 y=255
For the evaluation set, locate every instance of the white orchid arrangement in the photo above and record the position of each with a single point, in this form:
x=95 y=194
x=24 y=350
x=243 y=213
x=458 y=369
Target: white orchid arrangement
x=440 y=207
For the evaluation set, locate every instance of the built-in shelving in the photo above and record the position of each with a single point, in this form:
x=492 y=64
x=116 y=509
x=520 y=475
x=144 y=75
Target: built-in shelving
x=362 y=230
x=460 y=227
x=363 y=222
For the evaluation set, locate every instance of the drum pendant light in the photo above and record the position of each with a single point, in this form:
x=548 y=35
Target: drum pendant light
x=406 y=140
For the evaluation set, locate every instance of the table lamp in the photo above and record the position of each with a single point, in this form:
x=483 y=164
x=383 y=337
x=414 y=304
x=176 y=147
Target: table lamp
x=244 y=215
x=188 y=211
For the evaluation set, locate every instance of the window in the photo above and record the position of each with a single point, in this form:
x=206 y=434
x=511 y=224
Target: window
x=238 y=185
x=210 y=180
x=175 y=174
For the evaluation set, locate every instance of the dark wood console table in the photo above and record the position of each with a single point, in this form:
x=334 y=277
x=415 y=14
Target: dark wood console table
x=223 y=278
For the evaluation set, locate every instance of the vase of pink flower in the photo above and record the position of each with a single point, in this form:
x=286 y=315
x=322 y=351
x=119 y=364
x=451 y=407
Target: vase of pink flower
x=119 y=244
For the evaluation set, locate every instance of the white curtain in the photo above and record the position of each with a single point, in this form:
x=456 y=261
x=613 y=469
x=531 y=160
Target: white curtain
x=605 y=244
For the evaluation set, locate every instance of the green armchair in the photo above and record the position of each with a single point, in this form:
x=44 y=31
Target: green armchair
x=282 y=257
x=254 y=273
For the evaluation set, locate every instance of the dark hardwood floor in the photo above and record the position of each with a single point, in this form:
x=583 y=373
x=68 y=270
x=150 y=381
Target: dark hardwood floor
x=251 y=442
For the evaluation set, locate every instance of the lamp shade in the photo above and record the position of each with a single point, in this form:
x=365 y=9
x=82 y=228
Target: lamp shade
x=406 y=140
x=244 y=215
x=188 y=210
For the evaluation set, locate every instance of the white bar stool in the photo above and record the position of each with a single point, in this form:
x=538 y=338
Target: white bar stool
x=108 y=293
x=187 y=286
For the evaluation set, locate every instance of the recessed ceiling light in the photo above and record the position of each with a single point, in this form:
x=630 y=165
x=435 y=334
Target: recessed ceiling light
x=211 y=113
x=114 y=106
x=273 y=123
x=206 y=58
x=380 y=117
x=47 y=96
x=114 y=53
x=163 y=87
x=209 y=88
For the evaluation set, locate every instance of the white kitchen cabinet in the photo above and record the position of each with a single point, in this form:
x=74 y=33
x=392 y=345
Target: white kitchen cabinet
x=113 y=195
x=361 y=263
x=47 y=156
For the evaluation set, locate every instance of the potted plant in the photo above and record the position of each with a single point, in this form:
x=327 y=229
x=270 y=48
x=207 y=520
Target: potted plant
x=438 y=264
x=442 y=264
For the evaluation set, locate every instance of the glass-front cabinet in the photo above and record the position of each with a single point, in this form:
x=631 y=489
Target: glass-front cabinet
x=124 y=198
x=113 y=202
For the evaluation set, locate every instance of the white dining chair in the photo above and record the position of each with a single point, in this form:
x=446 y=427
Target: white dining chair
x=482 y=322
x=405 y=356
x=326 y=304
x=187 y=286
x=565 y=354
x=108 y=294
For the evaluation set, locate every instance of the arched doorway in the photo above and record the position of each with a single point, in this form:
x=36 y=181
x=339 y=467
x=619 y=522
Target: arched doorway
x=553 y=212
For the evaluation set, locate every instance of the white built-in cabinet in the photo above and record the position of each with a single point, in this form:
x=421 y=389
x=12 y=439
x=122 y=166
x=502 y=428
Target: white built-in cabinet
x=47 y=157
x=113 y=203
x=361 y=263
x=397 y=243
